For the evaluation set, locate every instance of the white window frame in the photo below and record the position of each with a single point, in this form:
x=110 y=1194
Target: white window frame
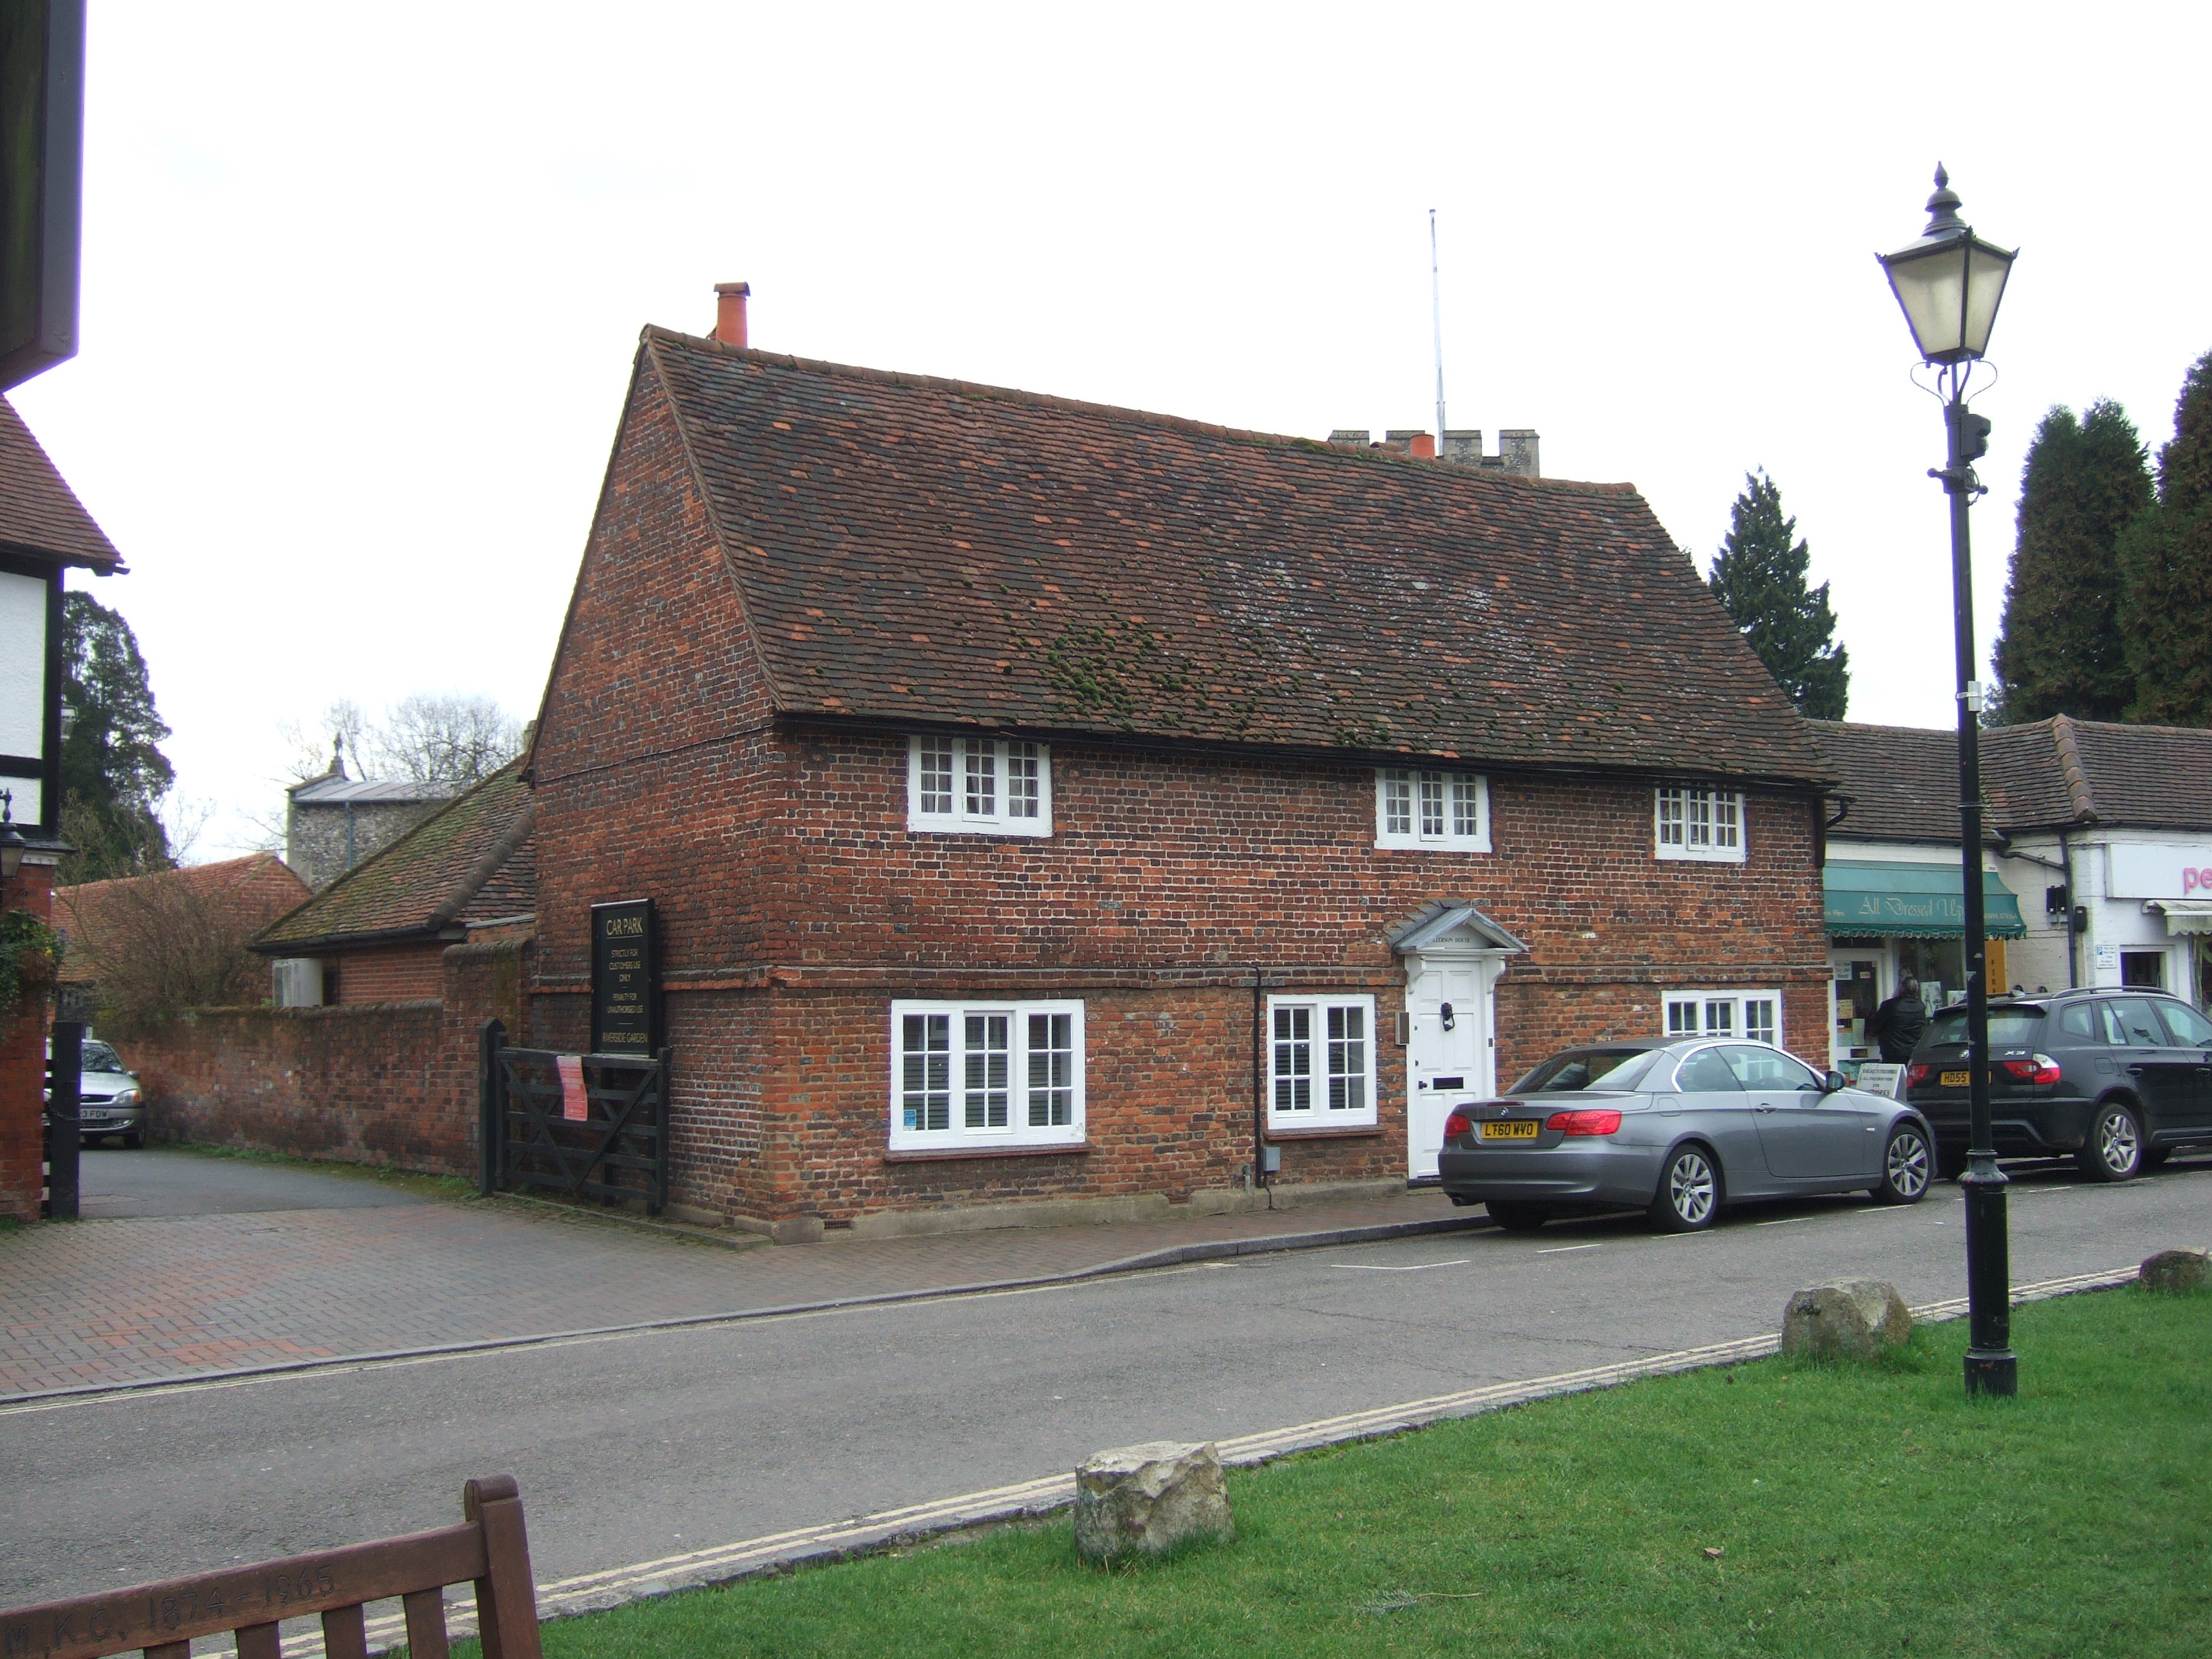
x=970 y=1088
x=1321 y=1065
x=1743 y=1016
x=983 y=799
x=1704 y=825
x=1426 y=809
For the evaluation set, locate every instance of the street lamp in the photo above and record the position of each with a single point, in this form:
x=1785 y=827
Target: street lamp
x=1949 y=284
x=12 y=844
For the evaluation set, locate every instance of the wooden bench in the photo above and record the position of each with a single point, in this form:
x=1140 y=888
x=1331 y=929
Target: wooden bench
x=489 y=1547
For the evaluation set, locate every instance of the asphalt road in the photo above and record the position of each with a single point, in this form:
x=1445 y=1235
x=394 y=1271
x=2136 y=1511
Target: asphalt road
x=159 y=1181
x=641 y=1446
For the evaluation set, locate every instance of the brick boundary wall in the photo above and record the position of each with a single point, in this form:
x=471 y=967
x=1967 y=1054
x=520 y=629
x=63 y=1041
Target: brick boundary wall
x=389 y=1083
x=23 y=1064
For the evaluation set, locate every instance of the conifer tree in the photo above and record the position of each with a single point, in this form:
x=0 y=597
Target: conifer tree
x=2059 y=648
x=1760 y=580
x=2166 y=572
x=113 y=773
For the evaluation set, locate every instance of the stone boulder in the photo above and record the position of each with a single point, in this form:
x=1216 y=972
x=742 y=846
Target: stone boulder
x=2174 y=1270
x=1853 y=1318
x=1142 y=1499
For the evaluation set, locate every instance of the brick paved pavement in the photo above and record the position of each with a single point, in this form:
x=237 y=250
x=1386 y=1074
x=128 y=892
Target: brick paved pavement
x=113 y=1301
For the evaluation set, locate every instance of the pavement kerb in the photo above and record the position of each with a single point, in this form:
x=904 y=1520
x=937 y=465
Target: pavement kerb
x=777 y=1552
x=1212 y=1249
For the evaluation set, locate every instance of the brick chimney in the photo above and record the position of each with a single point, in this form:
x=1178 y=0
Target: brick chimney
x=730 y=313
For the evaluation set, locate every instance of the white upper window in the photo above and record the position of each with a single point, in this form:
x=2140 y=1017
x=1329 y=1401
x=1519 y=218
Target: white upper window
x=1753 y=1015
x=974 y=1075
x=1320 y=1062
x=1447 y=811
x=981 y=786
x=1700 y=823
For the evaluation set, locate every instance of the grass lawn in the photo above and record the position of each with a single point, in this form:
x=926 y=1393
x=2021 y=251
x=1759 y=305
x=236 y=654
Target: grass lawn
x=1855 y=1512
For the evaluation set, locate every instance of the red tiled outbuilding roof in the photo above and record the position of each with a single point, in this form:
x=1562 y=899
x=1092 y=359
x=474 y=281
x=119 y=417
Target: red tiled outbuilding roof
x=929 y=552
x=97 y=916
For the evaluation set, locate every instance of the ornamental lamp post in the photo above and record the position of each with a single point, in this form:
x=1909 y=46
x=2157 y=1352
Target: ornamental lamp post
x=12 y=844
x=1949 y=284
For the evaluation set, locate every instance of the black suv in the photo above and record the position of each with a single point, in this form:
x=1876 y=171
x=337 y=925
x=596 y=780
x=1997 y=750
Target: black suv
x=2120 y=1079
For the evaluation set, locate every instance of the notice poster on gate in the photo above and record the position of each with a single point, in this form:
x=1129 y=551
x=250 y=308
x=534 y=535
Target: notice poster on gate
x=575 y=1104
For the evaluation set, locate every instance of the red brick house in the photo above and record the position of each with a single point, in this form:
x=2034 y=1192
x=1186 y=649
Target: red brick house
x=982 y=750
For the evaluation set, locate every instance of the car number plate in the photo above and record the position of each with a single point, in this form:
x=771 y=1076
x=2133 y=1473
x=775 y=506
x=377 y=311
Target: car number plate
x=1522 y=1128
x=1956 y=1079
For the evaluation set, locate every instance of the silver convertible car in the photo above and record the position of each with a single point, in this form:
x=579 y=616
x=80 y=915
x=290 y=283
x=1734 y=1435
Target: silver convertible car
x=1678 y=1130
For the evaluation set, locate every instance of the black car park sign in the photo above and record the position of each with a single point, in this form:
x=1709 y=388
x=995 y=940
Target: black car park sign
x=625 y=979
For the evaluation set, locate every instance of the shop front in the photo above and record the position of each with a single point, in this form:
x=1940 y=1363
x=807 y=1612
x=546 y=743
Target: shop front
x=2155 y=927
x=1891 y=920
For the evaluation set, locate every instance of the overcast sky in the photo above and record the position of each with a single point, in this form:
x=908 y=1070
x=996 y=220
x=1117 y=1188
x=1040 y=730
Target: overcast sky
x=362 y=285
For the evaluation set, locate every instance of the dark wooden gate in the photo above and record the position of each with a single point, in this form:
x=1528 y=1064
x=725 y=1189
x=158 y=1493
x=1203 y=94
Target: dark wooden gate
x=616 y=1152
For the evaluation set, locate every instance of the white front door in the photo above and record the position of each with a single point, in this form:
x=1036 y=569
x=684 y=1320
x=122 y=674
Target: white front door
x=1450 y=1051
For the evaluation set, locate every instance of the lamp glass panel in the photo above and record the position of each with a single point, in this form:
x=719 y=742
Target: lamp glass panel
x=1987 y=268
x=1930 y=286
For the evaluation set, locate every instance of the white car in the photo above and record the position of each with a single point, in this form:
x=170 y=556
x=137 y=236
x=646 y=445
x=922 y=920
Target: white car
x=110 y=1103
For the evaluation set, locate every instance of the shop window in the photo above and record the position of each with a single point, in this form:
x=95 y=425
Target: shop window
x=2146 y=968
x=1448 y=812
x=1320 y=1062
x=979 y=786
x=1699 y=823
x=1754 y=1015
x=969 y=1077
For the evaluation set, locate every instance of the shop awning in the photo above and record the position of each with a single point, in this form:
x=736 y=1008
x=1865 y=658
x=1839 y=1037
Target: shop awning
x=1918 y=901
x=2184 y=915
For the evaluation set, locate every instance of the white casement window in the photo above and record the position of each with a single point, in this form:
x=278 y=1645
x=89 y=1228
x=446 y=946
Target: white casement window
x=967 y=1076
x=1700 y=823
x=979 y=786
x=1447 y=811
x=1755 y=1016
x=1320 y=1062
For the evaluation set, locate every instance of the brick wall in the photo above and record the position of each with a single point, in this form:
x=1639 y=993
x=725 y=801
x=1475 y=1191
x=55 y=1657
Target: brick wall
x=795 y=904
x=392 y=1084
x=23 y=1064
x=400 y=973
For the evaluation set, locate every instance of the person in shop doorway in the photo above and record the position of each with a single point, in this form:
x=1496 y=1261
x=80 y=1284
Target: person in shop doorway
x=1898 y=1024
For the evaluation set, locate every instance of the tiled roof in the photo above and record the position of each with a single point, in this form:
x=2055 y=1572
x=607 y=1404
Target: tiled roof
x=39 y=514
x=2151 y=775
x=1903 y=781
x=472 y=859
x=255 y=889
x=920 y=550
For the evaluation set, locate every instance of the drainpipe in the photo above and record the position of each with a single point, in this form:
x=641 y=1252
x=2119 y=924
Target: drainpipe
x=2073 y=914
x=1259 y=1084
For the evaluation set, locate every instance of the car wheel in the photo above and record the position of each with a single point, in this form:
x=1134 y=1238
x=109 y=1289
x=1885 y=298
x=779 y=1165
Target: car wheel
x=1906 y=1163
x=2114 y=1150
x=1518 y=1218
x=1689 y=1195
